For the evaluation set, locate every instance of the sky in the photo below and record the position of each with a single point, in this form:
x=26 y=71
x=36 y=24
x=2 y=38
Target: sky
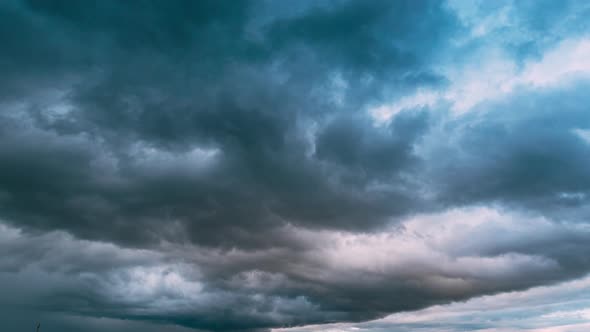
x=295 y=166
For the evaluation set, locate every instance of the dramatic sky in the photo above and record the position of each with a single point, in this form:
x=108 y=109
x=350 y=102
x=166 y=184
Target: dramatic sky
x=295 y=166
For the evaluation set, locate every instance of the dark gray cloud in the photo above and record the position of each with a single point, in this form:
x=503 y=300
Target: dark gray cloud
x=524 y=151
x=214 y=165
x=335 y=277
x=163 y=81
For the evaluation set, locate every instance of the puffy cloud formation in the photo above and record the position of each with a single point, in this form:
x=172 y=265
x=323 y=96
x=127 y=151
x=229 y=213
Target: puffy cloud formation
x=257 y=165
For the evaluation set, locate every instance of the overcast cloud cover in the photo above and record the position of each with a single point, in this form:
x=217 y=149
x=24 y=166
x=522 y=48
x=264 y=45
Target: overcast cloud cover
x=295 y=165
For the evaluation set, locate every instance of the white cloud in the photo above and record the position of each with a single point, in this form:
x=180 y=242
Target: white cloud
x=422 y=98
x=583 y=134
x=569 y=58
x=494 y=74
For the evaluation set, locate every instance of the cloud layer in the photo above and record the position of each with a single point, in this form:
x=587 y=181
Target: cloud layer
x=254 y=165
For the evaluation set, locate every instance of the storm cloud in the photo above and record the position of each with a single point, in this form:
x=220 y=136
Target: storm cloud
x=252 y=165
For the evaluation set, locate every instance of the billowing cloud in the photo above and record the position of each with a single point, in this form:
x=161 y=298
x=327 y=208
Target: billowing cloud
x=426 y=260
x=246 y=166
